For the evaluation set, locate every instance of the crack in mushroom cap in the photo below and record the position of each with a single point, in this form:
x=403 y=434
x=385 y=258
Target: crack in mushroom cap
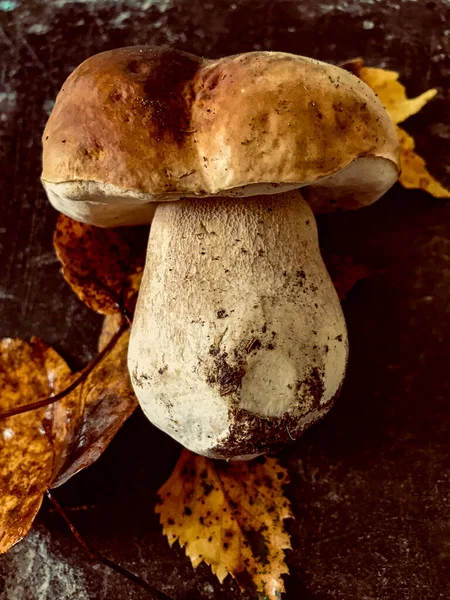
x=140 y=125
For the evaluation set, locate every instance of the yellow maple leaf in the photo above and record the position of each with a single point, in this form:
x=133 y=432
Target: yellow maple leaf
x=393 y=96
x=231 y=516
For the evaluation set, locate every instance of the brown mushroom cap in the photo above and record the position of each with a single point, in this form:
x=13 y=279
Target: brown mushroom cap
x=139 y=125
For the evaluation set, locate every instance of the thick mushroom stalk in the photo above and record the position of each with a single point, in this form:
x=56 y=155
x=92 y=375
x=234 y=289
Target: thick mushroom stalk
x=238 y=341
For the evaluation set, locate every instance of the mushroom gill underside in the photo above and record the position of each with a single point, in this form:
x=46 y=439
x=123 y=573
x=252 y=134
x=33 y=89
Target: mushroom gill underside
x=239 y=342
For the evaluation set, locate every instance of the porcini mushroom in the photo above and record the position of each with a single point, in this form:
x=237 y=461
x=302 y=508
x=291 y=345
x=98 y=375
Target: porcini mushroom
x=238 y=341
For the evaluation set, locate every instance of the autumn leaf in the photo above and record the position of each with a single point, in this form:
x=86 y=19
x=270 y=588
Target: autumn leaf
x=28 y=371
x=42 y=448
x=110 y=327
x=231 y=516
x=345 y=273
x=103 y=266
x=392 y=94
x=390 y=91
x=414 y=172
x=106 y=399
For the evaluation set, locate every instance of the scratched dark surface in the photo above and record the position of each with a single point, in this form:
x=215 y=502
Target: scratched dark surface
x=371 y=483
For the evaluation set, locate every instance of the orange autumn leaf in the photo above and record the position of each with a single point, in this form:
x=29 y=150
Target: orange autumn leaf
x=42 y=448
x=231 y=516
x=414 y=172
x=28 y=371
x=392 y=93
x=103 y=266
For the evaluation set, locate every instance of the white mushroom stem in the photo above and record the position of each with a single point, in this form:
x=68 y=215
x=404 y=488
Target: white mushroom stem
x=238 y=329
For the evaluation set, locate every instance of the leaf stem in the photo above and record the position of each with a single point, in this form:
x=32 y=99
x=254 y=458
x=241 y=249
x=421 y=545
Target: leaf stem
x=156 y=594
x=18 y=410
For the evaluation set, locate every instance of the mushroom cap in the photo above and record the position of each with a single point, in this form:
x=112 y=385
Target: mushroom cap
x=140 y=125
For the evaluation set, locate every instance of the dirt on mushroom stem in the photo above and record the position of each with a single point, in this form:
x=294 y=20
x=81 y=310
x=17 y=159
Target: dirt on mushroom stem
x=238 y=328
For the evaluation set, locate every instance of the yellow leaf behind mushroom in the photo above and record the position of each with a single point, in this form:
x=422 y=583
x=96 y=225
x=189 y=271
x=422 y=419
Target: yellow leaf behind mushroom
x=102 y=266
x=390 y=91
x=393 y=94
x=414 y=172
x=231 y=516
x=394 y=98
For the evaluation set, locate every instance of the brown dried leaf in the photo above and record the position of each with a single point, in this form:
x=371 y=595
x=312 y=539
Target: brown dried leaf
x=231 y=516
x=105 y=401
x=345 y=273
x=390 y=91
x=414 y=172
x=103 y=266
x=28 y=371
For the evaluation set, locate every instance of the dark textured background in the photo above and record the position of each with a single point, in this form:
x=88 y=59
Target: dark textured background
x=371 y=489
